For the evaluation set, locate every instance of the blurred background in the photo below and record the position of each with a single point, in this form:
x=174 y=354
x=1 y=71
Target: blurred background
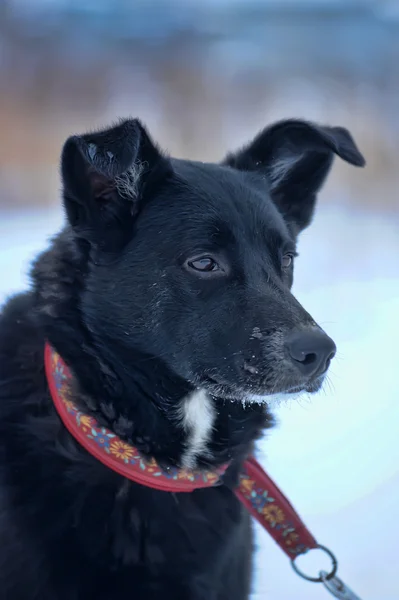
x=205 y=76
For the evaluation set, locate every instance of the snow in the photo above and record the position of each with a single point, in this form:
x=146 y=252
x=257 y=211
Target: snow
x=336 y=456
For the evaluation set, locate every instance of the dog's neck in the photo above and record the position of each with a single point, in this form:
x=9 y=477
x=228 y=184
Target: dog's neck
x=164 y=417
x=135 y=395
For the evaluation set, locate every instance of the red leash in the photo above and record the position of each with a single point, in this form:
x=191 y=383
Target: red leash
x=257 y=492
x=268 y=505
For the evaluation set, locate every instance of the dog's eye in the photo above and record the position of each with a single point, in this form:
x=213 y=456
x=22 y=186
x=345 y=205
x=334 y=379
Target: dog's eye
x=205 y=264
x=286 y=261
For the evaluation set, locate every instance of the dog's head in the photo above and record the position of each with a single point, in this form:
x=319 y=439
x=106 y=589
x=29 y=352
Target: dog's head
x=191 y=264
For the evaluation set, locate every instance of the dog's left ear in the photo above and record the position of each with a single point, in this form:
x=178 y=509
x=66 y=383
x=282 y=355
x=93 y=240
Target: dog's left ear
x=104 y=176
x=295 y=157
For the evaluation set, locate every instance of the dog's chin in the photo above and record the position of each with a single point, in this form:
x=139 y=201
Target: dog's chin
x=260 y=396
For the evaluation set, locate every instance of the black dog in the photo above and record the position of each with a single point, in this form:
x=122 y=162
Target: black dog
x=168 y=295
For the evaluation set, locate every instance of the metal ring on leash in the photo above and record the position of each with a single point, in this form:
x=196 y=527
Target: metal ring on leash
x=326 y=577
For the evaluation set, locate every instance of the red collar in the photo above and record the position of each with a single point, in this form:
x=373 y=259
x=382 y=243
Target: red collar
x=257 y=492
x=108 y=448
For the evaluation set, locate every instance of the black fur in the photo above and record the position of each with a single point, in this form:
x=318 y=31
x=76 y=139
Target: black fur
x=123 y=296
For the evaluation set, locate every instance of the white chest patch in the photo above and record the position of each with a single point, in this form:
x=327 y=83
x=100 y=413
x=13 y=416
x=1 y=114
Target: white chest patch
x=197 y=415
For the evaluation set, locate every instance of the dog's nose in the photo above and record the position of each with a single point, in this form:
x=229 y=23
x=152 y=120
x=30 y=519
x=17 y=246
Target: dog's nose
x=311 y=351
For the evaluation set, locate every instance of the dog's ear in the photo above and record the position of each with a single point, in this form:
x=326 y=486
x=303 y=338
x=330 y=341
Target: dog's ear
x=295 y=157
x=103 y=177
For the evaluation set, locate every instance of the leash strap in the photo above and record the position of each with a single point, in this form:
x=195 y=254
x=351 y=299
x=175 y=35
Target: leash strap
x=268 y=505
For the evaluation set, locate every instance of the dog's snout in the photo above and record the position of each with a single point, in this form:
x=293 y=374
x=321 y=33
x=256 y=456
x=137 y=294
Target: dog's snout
x=311 y=351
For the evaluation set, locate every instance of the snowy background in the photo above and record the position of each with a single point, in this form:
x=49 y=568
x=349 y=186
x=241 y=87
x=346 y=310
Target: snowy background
x=337 y=456
x=205 y=76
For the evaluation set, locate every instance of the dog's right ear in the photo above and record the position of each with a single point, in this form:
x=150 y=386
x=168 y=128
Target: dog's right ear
x=295 y=157
x=103 y=177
